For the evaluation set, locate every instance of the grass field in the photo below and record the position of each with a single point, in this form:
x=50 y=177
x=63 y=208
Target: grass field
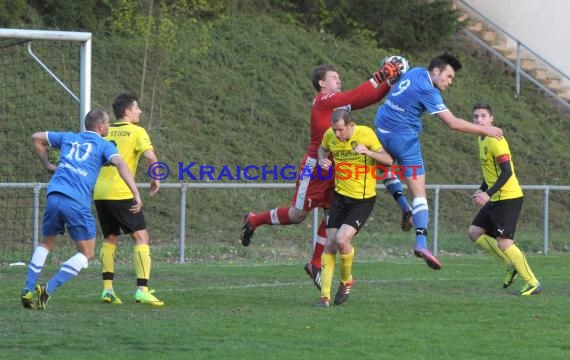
x=399 y=309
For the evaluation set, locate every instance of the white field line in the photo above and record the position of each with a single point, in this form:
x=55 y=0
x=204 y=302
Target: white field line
x=304 y=281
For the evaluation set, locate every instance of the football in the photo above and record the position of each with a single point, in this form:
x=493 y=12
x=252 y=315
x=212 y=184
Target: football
x=403 y=64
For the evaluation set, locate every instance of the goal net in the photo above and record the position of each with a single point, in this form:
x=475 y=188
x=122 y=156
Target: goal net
x=45 y=82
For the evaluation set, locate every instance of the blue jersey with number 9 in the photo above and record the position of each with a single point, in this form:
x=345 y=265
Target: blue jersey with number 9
x=81 y=157
x=408 y=99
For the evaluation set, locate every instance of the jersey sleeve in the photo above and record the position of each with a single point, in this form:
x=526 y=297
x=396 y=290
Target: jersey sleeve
x=109 y=150
x=500 y=150
x=433 y=101
x=54 y=139
x=360 y=97
x=143 y=141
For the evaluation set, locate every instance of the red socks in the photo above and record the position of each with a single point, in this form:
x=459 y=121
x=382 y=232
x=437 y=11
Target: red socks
x=320 y=245
x=278 y=216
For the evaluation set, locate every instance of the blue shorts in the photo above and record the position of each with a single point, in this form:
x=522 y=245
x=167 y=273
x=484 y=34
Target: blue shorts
x=405 y=149
x=62 y=211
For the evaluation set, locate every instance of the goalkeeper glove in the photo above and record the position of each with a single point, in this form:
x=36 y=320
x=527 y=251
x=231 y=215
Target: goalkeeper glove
x=390 y=70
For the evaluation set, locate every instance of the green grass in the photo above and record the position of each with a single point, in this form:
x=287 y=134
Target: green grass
x=399 y=309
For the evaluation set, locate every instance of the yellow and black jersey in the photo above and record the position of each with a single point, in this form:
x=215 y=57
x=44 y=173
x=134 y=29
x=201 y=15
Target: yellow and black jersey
x=131 y=141
x=355 y=174
x=492 y=153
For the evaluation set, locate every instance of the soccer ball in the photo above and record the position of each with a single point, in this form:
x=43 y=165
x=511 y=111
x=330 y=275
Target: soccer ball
x=403 y=62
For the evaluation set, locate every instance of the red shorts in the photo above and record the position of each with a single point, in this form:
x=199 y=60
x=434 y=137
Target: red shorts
x=315 y=186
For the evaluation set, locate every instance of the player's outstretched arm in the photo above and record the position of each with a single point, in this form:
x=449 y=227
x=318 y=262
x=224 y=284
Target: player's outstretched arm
x=457 y=124
x=151 y=158
x=40 y=144
x=126 y=175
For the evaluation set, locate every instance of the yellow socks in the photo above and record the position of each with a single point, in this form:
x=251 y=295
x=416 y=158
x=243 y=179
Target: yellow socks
x=108 y=264
x=492 y=247
x=327 y=271
x=346 y=266
x=142 y=262
x=141 y=259
x=517 y=258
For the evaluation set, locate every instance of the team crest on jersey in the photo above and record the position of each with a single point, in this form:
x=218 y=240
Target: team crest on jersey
x=353 y=144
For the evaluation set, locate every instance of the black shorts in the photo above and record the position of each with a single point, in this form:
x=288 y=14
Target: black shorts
x=499 y=218
x=116 y=215
x=349 y=211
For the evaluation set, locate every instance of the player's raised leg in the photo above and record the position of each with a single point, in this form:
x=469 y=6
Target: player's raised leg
x=394 y=187
x=68 y=270
x=420 y=213
x=277 y=216
x=491 y=246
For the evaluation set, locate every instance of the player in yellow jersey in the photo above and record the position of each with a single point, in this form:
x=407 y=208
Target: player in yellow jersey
x=113 y=201
x=501 y=198
x=355 y=150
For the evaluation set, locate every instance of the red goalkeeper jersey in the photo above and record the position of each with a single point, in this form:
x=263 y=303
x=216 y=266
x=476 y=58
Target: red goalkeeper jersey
x=360 y=97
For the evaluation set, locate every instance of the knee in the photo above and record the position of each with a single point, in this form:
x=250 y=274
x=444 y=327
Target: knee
x=297 y=216
x=474 y=233
x=342 y=243
x=141 y=237
x=420 y=203
x=504 y=244
x=48 y=245
x=87 y=248
x=89 y=254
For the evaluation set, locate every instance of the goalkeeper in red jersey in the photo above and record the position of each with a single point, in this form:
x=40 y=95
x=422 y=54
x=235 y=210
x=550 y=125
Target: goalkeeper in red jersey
x=316 y=191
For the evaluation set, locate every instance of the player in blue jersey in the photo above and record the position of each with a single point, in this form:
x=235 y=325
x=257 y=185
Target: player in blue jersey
x=68 y=203
x=398 y=125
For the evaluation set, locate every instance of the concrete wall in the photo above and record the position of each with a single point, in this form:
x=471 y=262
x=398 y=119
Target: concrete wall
x=542 y=25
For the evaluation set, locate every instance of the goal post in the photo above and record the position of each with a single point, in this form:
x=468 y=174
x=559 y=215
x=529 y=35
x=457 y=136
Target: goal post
x=84 y=38
x=45 y=84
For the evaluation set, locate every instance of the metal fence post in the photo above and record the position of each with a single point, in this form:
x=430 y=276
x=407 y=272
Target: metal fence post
x=36 y=211
x=435 y=219
x=545 y=220
x=182 y=225
x=518 y=70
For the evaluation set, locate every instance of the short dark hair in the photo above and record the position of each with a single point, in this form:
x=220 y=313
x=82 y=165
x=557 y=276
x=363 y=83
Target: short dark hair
x=94 y=118
x=122 y=103
x=442 y=60
x=341 y=113
x=483 y=105
x=319 y=74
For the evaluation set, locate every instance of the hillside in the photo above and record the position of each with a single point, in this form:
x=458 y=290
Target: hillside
x=247 y=101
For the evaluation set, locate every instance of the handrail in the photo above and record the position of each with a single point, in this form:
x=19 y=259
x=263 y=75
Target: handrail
x=522 y=73
x=488 y=21
x=519 y=71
